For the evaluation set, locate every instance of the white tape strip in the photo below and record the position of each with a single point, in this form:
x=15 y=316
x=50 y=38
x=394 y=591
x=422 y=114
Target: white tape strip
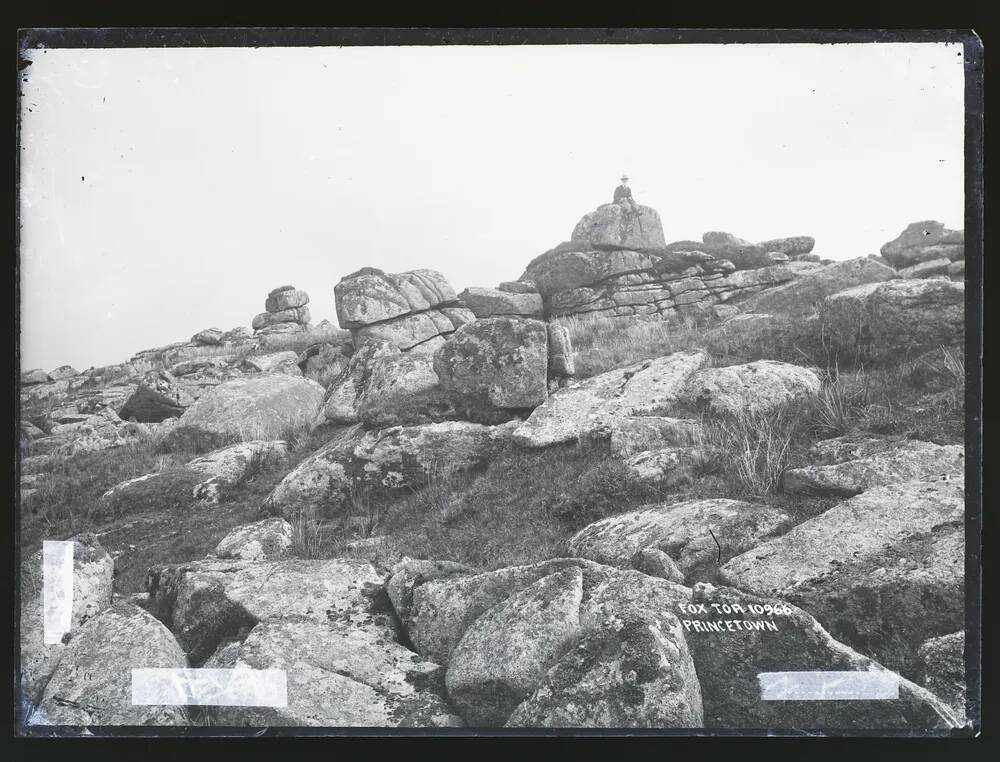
x=828 y=686
x=57 y=589
x=209 y=687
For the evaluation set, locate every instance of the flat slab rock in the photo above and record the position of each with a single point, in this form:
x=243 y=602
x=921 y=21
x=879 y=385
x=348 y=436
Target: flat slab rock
x=596 y=404
x=881 y=464
x=684 y=531
x=883 y=570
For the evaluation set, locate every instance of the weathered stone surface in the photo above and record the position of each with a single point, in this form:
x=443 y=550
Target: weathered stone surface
x=338 y=676
x=264 y=540
x=419 y=330
x=340 y=404
x=257 y=407
x=793 y=246
x=497 y=362
x=398 y=458
x=634 y=672
x=503 y=655
x=286 y=300
x=228 y=466
x=526 y=286
x=491 y=302
x=902 y=316
x=402 y=389
x=291 y=315
x=442 y=609
x=665 y=468
x=275 y=362
x=206 y=602
x=36 y=376
x=373 y=296
x=802 y=295
x=410 y=573
x=920 y=242
x=150 y=405
x=940 y=266
x=619 y=226
x=889 y=463
x=93 y=683
x=323 y=363
x=729 y=665
x=282 y=329
x=636 y=434
x=208 y=336
x=169 y=489
x=561 y=363
x=656 y=563
x=93 y=572
x=684 y=531
x=587 y=407
x=942 y=670
x=755 y=387
x=63 y=371
x=883 y=571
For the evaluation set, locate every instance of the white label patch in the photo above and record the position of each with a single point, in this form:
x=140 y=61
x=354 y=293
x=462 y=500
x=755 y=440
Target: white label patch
x=209 y=687
x=57 y=590
x=828 y=686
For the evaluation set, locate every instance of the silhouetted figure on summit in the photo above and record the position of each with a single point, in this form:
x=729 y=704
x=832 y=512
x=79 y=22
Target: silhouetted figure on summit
x=623 y=194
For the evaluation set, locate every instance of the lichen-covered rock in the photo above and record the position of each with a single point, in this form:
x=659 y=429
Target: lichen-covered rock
x=585 y=408
x=924 y=241
x=491 y=302
x=619 y=226
x=256 y=407
x=637 y=434
x=699 y=535
x=888 y=463
x=166 y=490
x=228 y=466
x=930 y=268
x=632 y=672
x=755 y=387
x=942 y=670
x=496 y=363
x=291 y=315
x=93 y=573
x=504 y=653
x=418 y=331
x=410 y=573
x=900 y=317
x=263 y=540
x=561 y=363
x=729 y=665
x=883 y=571
x=274 y=362
x=287 y=299
x=93 y=683
x=666 y=468
x=372 y=296
x=337 y=676
x=402 y=388
x=385 y=461
x=794 y=246
x=802 y=295
x=340 y=404
x=208 y=336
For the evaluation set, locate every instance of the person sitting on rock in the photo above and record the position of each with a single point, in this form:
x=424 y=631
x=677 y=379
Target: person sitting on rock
x=623 y=194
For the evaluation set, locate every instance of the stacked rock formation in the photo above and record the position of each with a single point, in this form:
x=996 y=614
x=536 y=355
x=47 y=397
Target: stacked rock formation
x=414 y=310
x=285 y=312
x=927 y=250
x=615 y=266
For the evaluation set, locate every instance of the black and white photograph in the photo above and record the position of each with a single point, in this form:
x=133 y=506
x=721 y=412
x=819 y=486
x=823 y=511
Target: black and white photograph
x=368 y=382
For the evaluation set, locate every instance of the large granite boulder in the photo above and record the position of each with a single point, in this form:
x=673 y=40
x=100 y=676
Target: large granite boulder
x=802 y=295
x=93 y=574
x=619 y=226
x=379 y=462
x=228 y=466
x=419 y=331
x=899 y=317
x=698 y=535
x=591 y=407
x=922 y=242
x=755 y=387
x=496 y=363
x=491 y=302
x=264 y=540
x=793 y=246
x=883 y=571
x=372 y=296
x=774 y=638
x=256 y=407
x=93 y=683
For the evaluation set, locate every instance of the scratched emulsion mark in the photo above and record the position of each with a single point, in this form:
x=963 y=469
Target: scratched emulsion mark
x=828 y=686
x=57 y=590
x=209 y=687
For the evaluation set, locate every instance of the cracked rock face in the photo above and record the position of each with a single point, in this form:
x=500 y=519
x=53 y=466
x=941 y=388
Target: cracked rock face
x=372 y=296
x=883 y=571
x=922 y=242
x=755 y=387
x=619 y=226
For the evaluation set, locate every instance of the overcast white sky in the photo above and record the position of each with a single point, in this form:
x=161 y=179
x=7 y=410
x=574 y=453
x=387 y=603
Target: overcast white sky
x=166 y=191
